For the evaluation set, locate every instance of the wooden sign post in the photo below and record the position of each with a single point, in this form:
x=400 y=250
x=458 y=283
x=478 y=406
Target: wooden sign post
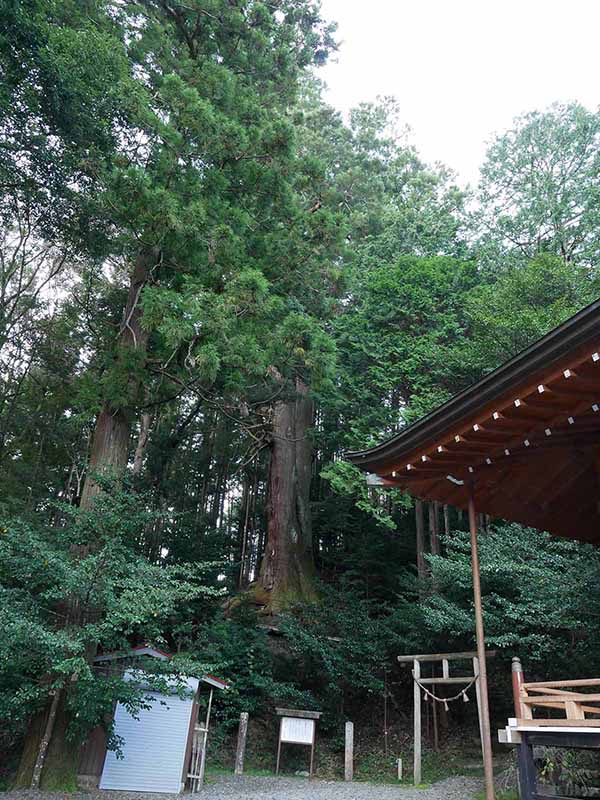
x=349 y=752
x=297 y=727
x=241 y=744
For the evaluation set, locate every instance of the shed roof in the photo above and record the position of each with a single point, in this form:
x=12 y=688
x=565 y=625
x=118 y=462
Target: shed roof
x=154 y=652
x=526 y=437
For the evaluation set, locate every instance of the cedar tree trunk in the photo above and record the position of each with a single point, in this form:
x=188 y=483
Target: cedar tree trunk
x=420 y=540
x=110 y=445
x=287 y=569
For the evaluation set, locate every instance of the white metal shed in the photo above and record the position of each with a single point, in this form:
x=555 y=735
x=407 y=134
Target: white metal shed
x=156 y=744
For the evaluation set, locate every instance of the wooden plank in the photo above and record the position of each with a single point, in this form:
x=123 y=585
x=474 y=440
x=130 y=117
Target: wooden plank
x=444 y=656
x=559 y=723
x=293 y=712
x=569 y=738
x=532 y=701
x=574 y=710
x=561 y=707
x=560 y=693
x=349 y=752
x=45 y=742
x=559 y=684
x=436 y=681
x=279 y=747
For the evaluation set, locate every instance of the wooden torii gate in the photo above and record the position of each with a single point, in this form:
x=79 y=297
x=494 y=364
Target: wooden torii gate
x=421 y=683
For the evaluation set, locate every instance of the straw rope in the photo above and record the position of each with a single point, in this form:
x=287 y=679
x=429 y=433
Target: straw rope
x=445 y=700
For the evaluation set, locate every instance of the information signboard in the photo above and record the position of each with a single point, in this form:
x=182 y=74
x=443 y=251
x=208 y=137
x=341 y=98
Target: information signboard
x=297 y=727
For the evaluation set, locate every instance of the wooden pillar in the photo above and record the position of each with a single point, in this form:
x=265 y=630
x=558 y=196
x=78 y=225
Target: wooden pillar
x=241 y=744
x=434 y=536
x=527 y=771
x=446 y=520
x=517 y=683
x=279 y=746
x=420 y=528
x=417 y=725
x=349 y=752
x=485 y=711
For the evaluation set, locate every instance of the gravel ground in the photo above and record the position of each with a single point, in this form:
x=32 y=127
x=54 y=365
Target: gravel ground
x=252 y=788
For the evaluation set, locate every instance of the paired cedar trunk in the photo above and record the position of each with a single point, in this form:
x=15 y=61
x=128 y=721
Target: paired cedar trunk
x=53 y=757
x=287 y=569
x=110 y=445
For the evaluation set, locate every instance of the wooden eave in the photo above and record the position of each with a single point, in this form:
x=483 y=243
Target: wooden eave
x=526 y=437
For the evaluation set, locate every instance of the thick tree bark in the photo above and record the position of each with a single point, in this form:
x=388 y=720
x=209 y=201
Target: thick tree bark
x=109 y=455
x=110 y=445
x=287 y=569
x=420 y=540
x=446 y=520
x=434 y=534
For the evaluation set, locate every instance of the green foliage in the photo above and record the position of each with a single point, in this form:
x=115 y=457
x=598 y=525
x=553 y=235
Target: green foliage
x=235 y=648
x=400 y=344
x=538 y=597
x=342 y=641
x=539 y=188
x=523 y=304
x=91 y=564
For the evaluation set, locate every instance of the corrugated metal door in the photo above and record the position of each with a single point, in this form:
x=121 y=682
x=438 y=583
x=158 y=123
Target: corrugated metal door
x=154 y=747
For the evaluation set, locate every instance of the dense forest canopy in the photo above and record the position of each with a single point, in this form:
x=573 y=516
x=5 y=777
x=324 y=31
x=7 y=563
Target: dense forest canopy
x=211 y=286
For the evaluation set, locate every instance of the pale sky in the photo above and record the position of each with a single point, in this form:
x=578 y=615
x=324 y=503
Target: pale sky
x=463 y=69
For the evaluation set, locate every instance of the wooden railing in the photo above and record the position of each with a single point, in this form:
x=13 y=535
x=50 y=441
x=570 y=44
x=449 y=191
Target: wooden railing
x=571 y=697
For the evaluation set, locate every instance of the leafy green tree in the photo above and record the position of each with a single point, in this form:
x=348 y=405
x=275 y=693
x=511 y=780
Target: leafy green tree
x=57 y=604
x=539 y=188
x=398 y=340
x=522 y=304
x=539 y=598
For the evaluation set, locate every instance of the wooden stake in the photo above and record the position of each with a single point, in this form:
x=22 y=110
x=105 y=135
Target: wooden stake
x=279 y=746
x=349 y=752
x=41 y=756
x=417 y=727
x=436 y=737
x=241 y=744
x=385 y=713
x=485 y=711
